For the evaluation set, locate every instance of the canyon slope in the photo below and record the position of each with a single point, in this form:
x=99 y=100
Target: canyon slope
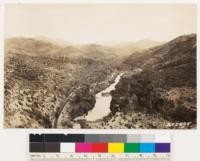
x=165 y=88
x=49 y=83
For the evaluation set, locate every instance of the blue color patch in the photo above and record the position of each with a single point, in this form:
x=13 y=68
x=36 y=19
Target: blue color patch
x=147 y=147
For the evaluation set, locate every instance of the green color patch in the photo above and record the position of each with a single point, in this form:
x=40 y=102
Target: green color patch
x=131 y=147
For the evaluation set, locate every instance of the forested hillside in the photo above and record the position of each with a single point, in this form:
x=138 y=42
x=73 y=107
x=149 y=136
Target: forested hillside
x=166 y=84
x=40 y=75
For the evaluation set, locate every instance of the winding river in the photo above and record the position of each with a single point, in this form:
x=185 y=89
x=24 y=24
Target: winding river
x=102 y=105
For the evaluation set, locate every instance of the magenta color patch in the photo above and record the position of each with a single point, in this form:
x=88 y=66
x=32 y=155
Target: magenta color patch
x=83 y=147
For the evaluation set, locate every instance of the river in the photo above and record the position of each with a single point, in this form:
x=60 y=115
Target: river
x=102 y=105
x=103 y=99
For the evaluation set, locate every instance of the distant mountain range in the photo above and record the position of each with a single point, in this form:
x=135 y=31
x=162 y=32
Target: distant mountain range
x=141 y=44
x=46 y=46
x=174 y=61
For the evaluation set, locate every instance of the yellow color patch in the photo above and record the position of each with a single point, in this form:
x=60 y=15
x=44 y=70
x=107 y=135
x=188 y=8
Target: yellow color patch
x=115 y=147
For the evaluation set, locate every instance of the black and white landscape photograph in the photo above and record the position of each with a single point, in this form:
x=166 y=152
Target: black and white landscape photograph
x=100 y=66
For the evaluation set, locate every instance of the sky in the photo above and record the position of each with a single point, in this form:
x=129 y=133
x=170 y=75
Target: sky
x=90 y=23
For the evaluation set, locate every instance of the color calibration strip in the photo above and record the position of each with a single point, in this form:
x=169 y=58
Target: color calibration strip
x=99 y=143
x=100 y=157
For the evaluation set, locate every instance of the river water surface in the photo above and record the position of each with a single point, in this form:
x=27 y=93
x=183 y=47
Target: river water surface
x=102 y=105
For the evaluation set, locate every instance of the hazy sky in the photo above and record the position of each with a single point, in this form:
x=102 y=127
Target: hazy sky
x=86 y=23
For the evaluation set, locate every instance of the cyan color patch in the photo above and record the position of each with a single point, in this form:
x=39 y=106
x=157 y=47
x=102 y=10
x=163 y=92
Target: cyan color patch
x=147 y=147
